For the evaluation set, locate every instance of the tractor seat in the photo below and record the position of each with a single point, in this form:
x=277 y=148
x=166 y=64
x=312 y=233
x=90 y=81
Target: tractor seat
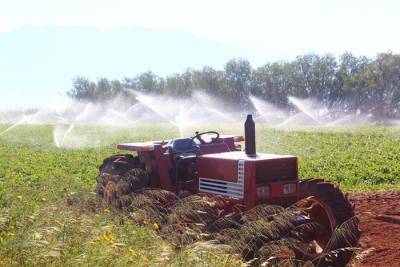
x=183 y=147
x=180 y=150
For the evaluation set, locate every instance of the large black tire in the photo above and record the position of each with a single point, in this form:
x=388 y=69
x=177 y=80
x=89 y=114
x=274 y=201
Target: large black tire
x=330 y=195
x=119 y=177
x=323 y=201
x=119 y=164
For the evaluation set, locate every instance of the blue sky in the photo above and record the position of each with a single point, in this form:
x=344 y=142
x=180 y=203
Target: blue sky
x=44 y=43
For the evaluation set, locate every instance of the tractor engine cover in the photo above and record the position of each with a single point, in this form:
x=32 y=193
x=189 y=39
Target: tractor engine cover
x=260 y=179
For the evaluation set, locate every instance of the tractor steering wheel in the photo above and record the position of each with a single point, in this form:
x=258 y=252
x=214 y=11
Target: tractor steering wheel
x=198 y=136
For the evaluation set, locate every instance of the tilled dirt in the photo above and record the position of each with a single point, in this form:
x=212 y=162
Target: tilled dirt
x=379 y=215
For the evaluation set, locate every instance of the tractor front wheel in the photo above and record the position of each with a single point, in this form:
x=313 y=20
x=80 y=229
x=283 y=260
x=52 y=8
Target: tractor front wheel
x=337 y=227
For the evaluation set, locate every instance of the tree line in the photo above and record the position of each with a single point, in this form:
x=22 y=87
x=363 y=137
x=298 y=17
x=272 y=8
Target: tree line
x=348 y=83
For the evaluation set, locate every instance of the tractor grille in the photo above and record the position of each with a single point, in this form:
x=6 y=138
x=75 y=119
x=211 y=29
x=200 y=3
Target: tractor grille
x=223 y=188
x=276 y=170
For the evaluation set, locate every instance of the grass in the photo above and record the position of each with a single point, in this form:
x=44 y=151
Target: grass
x=47 y=211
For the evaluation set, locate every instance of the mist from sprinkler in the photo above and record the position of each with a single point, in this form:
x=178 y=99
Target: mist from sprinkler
x=182 y=113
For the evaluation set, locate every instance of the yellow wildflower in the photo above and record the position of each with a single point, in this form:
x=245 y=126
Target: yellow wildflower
x=107 y=210
x=155 y=226
x=108 y=237
x=10 y=234
x=44 y=199
x=19 y=197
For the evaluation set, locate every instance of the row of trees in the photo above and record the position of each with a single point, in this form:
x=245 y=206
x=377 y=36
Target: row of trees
x=348 y=83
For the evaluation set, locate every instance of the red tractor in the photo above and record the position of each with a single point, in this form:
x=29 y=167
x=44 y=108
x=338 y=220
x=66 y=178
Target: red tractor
x=213 y=164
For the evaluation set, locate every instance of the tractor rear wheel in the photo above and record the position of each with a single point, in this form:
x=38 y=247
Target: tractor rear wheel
x=325 y=204
x=119 y=177
x=119 y=164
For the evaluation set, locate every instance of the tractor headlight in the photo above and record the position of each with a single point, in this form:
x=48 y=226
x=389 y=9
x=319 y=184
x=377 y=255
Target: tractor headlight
x=263 y=191
x=289 y=188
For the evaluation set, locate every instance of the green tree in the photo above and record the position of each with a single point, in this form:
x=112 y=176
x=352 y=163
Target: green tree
x=350 y=93
x=82 y=89
x=383 y=76
x=349 y=84
x=272 y=83
x=208 y=80
x=179 y=84
x=147 y=82
x=238 y=75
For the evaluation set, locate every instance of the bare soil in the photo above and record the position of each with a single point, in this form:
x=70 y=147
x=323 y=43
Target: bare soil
x=379 y=215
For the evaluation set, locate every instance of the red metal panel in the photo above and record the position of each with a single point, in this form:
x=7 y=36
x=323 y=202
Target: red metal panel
x=250 y=190
x=212 y=148
x=236 y=155
x=277 y=193
x=162 y=165
x=224 y=169
x=278 y=169
x=223 y=166
x=139 y=147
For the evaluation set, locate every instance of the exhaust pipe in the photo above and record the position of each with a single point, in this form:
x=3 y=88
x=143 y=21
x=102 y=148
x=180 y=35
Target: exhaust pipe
x=250 y=136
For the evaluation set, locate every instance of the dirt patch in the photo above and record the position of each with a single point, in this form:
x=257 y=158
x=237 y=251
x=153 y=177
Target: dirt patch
x=379 y=215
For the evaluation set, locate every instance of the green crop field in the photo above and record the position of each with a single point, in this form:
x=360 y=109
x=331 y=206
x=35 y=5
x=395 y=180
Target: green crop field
x=48 y=213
